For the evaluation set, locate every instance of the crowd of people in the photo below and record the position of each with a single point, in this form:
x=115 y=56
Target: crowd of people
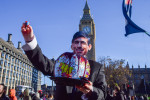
x=35 y=96
x=26 y=95
x=115 y=94
x=118 y=94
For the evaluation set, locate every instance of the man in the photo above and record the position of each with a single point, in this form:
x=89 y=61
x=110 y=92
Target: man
x=119 y=94
x=94 y=90
x=26 y=95
x=2 y=92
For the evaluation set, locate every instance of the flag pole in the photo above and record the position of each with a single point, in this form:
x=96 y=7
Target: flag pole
x=147 y=33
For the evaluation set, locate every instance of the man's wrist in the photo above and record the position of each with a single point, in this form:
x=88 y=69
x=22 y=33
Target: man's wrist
x=30 y=45
x=29 y=40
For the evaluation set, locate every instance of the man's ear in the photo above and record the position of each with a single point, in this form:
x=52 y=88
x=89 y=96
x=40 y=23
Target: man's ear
x=90 y=46
x=72 y=47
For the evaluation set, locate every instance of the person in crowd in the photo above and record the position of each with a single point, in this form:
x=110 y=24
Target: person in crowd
x=94 y=90
x=146 y=97
x=37 y=95
x=135 y=97
x=12 y=94
x=109 y=96
x=119 y=95
x=2 y=92
x=128 y=97
x=34 y=96
x=141 y=98
x=21 y=96
x=50 y=97
x=40 y=93
x=26 y=95
x=132 y=98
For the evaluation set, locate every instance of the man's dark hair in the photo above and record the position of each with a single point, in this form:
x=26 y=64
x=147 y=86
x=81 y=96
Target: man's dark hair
x=3 y=86
x=81 y=34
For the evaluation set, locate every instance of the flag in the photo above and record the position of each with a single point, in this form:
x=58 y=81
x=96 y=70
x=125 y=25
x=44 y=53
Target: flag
x=130 y=26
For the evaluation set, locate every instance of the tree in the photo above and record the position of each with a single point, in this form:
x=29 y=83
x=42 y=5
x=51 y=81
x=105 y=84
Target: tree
x=116 y=72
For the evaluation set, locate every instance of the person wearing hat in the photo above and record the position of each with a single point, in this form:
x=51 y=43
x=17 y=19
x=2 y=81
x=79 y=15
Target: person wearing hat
x=94 y=90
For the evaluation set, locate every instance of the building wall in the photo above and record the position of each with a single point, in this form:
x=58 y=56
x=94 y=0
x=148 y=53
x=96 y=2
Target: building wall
x=16 y=69
x=138 y=74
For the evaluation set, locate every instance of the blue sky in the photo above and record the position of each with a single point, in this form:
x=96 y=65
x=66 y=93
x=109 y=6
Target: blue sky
x=55 y=21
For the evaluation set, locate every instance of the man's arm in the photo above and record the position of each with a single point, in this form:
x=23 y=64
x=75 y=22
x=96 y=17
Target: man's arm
x=97 y=89
x=34 y=52
x=41 y=62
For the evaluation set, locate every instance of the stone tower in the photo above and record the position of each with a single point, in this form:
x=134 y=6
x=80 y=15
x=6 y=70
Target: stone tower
x=88 y=26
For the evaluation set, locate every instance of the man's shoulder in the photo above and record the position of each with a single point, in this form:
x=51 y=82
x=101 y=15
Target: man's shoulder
x=92 y=62
x=95 y=65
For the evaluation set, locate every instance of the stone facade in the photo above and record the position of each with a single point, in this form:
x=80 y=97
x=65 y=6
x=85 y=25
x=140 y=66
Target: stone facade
x=138 y=75
x=15 y=68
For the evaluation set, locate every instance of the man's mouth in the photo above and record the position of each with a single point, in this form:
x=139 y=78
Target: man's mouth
x=79 y=50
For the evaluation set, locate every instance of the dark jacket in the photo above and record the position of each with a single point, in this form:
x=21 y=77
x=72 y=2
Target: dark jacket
x=3 y=97
x=34 y=97
x=119 y=96
x=46 y=66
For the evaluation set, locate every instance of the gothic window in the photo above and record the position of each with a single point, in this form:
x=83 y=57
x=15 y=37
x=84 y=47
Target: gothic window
x=5 y=64
x=1 y=62
x=16 y=61
x=8 y=65
x=13 y=81
x=9 y=58
x=0 y=71
x=12 y=60
x=18 y=69
x=4 y=71
x=14 y=74
x=12 y=67
x=20 y=63
x=17 y=75
x=10 y=74
x=2 y=55
x=6 y=56
x=6 y=81
x=7 y=74
x=3 y=79
x=9 y=81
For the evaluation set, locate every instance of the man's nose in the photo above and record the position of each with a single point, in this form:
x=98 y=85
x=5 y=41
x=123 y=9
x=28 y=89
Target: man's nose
x=79 y=44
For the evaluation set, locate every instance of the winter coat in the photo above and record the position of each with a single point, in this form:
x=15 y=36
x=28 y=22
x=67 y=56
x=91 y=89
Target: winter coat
x=3 y=97
x=119 y=96
x=12 y=94
x=26 y=95
x=34 y=97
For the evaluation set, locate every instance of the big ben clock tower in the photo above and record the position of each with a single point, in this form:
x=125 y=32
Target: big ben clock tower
x=87 y=25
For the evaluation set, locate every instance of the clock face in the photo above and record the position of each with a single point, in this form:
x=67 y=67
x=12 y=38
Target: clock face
x=87 y=29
